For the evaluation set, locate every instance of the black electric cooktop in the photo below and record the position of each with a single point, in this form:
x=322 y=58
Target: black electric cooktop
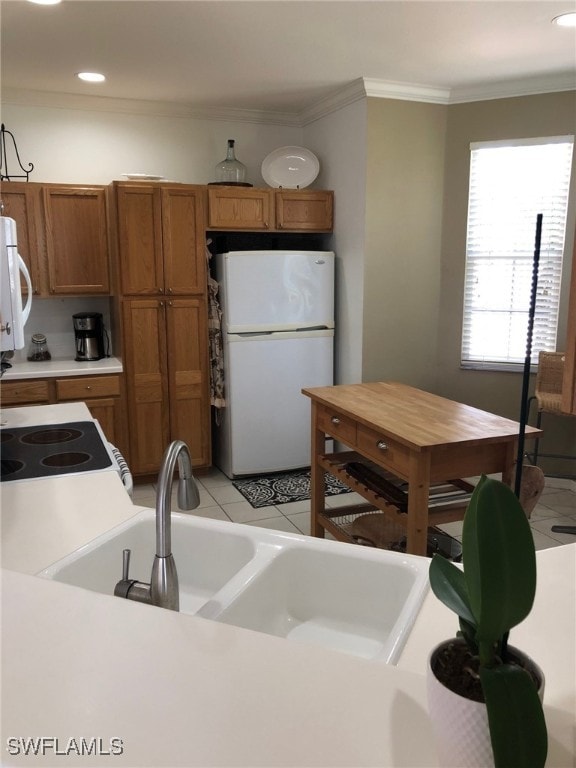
x=52 y=450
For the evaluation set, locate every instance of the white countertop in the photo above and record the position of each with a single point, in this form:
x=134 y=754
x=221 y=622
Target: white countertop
x=180 y=690
x=22 y=369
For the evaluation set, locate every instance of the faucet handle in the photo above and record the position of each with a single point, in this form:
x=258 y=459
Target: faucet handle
x=125 y=564
x=126 y=583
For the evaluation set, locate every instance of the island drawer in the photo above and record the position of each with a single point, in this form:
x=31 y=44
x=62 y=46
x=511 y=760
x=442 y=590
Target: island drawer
x=88 y=387
x=388 y=453
x=335 y=424
x=25 y=391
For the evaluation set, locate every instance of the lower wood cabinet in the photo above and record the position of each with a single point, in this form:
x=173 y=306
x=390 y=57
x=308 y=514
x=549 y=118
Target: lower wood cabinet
x=102 y=394
x=167 y=372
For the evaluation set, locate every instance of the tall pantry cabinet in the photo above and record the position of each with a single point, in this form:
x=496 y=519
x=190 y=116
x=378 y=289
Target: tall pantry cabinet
x=162 y=295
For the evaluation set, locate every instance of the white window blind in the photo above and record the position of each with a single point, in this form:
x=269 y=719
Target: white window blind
x=510 y=184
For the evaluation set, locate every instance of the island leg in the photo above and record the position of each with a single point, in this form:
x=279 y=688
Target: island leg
x=317 y=476
x=418 y=495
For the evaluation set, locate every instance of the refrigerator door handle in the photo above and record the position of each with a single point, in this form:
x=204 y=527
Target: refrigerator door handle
x=249 y=334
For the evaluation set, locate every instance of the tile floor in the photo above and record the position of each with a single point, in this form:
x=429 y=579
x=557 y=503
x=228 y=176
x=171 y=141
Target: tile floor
x=221 y=501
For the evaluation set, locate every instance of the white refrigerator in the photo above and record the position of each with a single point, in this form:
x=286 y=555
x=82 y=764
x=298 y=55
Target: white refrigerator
x=278 y=337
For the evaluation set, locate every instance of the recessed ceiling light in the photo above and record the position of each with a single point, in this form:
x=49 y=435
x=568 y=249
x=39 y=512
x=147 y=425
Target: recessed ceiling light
x=565 y=20
x=91 y=77
x=45 y=2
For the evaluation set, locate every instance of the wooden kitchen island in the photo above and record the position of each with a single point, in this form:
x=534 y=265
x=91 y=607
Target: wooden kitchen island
x=404 y=435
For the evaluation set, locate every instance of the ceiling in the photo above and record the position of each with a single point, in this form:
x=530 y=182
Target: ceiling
x=284 y=56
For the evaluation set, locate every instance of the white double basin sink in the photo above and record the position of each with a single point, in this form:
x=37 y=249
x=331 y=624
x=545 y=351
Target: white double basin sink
x=345 y=597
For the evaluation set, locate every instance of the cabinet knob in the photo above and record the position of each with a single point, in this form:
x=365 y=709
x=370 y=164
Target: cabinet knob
x=335 y=420
x=381 y=445
x=88 y=386
x=169 y=290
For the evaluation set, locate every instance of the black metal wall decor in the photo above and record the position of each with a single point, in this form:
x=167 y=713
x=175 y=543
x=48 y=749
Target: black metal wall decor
x=528 y=358
x=4 y=174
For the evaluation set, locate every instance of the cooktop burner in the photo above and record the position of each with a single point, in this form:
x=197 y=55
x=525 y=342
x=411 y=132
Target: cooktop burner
x=51 y=450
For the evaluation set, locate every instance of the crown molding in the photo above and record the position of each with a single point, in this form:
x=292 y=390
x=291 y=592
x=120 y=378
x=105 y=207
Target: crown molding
x=366 y=87
x=383 y=89
x=361 y=88
x=336 y=100
x=564 y=81
x=55 y=100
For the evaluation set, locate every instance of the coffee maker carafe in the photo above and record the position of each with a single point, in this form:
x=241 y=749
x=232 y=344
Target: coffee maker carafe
x=89 y=334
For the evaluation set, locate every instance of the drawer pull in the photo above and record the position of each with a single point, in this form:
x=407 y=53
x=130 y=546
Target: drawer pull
x=335 y=420
x=88 y=386
x=381 y=445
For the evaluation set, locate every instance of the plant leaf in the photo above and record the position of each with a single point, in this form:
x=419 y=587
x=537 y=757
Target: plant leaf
x=517 y=725
x=449 y=585
x=499 y=560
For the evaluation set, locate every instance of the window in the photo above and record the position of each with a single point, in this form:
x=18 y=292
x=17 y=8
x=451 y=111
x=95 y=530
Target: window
x=510 y=184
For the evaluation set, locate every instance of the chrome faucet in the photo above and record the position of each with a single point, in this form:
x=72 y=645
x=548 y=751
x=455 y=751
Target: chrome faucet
x=163 y=587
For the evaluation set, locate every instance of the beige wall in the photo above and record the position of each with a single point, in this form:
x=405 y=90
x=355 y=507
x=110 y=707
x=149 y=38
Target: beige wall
x=522 y=117
x=417 y=173
x=404 y=183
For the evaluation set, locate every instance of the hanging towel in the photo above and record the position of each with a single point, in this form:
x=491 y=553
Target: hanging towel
x=215 y=342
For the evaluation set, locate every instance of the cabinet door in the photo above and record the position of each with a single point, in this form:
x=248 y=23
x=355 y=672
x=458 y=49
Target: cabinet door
x=147 y=390
x=19 y=201
x=106 y=410
x=140 y=239
x=188 y=373
x=240 y=208
x=183 y=240
x=76 y=240
x=300 y=210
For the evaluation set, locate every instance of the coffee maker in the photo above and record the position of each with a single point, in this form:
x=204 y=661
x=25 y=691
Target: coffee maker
x=89 y=333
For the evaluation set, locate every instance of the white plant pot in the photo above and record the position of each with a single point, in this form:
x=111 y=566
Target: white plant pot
x=460 y=725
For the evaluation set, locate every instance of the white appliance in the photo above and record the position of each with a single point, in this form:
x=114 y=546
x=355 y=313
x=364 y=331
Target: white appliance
x=278 y=337
x=12 y=316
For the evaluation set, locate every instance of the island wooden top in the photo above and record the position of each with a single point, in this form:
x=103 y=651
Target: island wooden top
x=416 y=418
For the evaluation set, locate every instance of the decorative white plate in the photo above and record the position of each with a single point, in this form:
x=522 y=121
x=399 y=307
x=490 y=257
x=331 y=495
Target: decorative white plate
x=290 y=167
x=143 y=177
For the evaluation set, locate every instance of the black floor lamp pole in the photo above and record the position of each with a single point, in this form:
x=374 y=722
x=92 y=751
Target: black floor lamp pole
x=528 y=358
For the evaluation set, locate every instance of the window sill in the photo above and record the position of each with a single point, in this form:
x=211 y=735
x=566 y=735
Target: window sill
x=497 y=367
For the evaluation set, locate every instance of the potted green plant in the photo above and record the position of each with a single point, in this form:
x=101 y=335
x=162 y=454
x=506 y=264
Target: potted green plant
x=496 y=689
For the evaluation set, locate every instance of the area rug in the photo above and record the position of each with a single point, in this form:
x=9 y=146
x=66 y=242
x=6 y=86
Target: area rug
x=284 y=487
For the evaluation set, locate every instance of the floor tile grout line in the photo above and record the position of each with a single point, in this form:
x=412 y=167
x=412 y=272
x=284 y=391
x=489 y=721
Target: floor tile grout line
x=547 y=509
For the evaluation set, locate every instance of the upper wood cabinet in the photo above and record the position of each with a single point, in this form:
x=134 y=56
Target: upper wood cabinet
x=160 y=239
x=76 y=240
x=248 y=208
x=301 y=210
x=240 y=208
x=62 y=236
x=21 y=202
